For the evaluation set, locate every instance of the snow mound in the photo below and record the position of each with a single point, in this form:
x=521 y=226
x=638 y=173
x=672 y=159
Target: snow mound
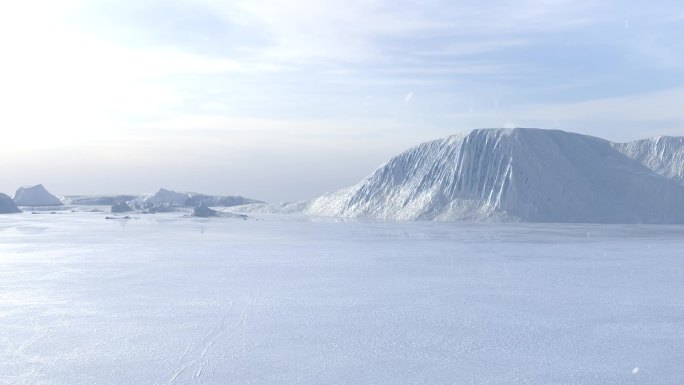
x=202 y=211
x=518 y=174
x=121 y=207
x=662 y=154
x=7 y=205
x=35 y=196
x=167 y=197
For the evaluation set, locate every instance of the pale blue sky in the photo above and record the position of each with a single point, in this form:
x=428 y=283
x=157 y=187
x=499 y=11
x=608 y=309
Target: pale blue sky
x=284 y=100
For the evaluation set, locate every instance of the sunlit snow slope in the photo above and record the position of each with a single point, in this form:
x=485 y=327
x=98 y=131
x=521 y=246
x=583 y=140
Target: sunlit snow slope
x=662 y=154
x=518 y=174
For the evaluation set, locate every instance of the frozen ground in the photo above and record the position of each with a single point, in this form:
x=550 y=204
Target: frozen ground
x=285 y=300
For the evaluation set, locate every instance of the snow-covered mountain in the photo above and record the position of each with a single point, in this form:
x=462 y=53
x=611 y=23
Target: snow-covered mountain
x=35 y=195
x=520 y=174
x=662 y=154
x=7 y=205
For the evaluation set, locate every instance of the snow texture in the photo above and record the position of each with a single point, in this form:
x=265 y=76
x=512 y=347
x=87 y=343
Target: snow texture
x=662 y=154
x=293 y=300
x=7 y=205
x=520 y=174
x=35 y=196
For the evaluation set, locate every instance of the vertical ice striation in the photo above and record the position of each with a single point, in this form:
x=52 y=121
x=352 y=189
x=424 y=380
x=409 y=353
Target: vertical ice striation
x=662 y=154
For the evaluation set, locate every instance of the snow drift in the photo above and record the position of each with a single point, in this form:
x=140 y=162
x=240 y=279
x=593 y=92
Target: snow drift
x=7 y=205
x=520 y=175
x=35 y=196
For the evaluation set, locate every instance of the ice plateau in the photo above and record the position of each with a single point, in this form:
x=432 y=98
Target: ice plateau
x=521 y=174
x=7 y=205
x=35 y=195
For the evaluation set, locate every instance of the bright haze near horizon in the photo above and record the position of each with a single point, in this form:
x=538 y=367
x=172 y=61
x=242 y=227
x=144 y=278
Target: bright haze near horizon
x=285 y=100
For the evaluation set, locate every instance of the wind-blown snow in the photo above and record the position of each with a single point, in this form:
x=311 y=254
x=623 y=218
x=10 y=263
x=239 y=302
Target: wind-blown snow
x=7 y=205
x=662 y=154
x=513 y=174
x=35 y=196
x=286 y=300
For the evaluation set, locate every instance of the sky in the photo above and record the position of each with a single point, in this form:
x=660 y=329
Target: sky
x=285 y=100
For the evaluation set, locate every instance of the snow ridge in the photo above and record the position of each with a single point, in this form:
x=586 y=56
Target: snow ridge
x=662 y=154
x=516 y=174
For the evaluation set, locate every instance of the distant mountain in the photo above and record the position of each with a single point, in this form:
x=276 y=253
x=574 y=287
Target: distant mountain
x=521 y=175
x=169 y=197
x=662 y=154
x=35 y=195
x=101 y=200
x=195 y=200
x=7 y=205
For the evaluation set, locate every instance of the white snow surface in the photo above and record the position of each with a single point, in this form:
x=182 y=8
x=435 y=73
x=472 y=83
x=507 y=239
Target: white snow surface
x=35 y=195
x=519 y=174
x=295 y=300
x=662 y=154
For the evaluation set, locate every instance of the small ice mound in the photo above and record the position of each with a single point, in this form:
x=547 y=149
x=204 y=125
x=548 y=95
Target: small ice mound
x=167 y=197
x=35 y=196
x=202 y=211
x=7 y=205
x=121 y=207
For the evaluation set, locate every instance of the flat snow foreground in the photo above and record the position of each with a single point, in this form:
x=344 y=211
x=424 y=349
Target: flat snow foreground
x=290 y=300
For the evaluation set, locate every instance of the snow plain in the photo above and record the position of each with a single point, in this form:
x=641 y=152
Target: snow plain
x=295 y=300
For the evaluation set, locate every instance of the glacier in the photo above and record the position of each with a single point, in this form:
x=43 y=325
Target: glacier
x=521 y=174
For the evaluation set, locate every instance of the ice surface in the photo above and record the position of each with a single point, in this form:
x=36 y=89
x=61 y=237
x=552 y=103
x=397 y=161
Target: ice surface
x=293 y=300
x=521 y=175
x=35 y=195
